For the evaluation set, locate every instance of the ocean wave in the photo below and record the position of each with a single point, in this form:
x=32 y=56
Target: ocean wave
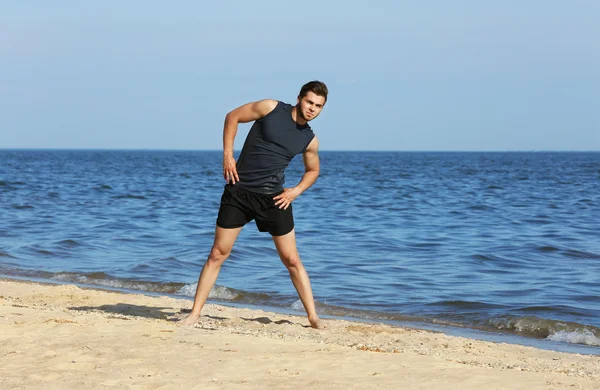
x=11 y=183
x=581 y=336
x=217 y=292
x=537 y=221
x=480 y=207
x=103 y=279
x=156 y=267
x=44 y=252
x=548 y=248
x=463 y=305
x=129 y=196
x=68 y=244
x=22 y=206
x=570 y=332
x=115 y=226
x=297 y=306
x=482 y=257
x=581 y=254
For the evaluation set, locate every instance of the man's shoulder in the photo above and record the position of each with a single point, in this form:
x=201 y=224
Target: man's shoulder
x=284 y=106
x=267 y=105
x=273 y=107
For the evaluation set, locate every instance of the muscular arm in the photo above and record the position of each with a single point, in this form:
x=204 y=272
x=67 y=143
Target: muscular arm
x=311 y=173
x=247 y=113
x=311 y=166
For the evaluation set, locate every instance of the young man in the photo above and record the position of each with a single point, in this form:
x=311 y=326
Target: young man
x=255 y=186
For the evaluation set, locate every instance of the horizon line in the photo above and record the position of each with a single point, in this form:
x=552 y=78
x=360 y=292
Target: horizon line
x=322 y=150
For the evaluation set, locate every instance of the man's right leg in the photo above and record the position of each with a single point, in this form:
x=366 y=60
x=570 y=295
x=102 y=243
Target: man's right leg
x=224 y=240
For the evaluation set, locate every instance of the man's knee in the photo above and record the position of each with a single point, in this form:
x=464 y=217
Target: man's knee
x=218 y=255
x=291 y=260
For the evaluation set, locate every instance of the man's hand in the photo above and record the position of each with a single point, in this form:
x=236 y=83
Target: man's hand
x=229 y=170
x=284 y=199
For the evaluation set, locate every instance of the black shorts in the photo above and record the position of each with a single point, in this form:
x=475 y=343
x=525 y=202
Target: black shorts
x=239 y=206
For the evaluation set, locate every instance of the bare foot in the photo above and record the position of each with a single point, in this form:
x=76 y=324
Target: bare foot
x=317 y=323
x=189 y=320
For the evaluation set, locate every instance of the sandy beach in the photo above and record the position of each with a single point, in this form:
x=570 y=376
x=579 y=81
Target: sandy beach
x=63 y=336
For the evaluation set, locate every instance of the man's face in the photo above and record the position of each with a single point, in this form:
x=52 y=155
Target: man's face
x=310 y=106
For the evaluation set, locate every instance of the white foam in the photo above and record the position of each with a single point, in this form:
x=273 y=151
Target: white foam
x=584 y=336
x=71 y=278
x=189 y=290
x=217 y=292
x=220 y=292
x=297 y=306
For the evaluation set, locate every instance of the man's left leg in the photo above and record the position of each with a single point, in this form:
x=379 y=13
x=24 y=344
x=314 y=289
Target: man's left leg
x=288 y=252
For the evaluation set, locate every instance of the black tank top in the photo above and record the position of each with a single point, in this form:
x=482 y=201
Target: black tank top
x=271 y=144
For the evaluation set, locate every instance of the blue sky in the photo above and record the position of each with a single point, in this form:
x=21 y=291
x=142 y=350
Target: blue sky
x=427 y=75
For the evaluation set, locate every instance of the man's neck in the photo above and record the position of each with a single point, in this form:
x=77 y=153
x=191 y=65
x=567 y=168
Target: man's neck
x=297 y=117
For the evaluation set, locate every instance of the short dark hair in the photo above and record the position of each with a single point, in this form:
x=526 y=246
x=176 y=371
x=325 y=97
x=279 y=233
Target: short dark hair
x=317 y=87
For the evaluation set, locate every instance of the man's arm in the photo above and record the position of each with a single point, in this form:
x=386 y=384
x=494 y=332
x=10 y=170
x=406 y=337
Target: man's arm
x=311 y=173
x=247 y=113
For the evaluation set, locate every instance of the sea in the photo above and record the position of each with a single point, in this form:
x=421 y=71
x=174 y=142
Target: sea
x=503 y=246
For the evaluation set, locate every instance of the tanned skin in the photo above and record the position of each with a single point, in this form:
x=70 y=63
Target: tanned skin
x=307 y=108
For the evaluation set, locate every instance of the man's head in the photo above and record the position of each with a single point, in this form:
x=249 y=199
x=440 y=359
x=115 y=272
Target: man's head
x=311 y=100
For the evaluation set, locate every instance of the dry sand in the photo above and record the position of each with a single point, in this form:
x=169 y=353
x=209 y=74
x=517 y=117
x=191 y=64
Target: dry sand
x=63 y=336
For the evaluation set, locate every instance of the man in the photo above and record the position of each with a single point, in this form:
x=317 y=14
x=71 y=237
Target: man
x=255 y=186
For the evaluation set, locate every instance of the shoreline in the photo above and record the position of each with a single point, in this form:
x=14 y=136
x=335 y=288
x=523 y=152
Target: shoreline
x=61 y=335
x=480 y=334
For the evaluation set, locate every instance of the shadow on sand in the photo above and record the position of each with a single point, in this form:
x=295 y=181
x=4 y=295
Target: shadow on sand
x=126 y=311
x=267 y=320
x=123 y=310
